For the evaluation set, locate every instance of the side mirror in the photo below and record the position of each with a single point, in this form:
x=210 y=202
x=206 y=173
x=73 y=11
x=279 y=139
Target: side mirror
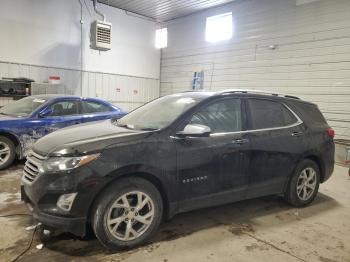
x=194 y=130
x=45 y=112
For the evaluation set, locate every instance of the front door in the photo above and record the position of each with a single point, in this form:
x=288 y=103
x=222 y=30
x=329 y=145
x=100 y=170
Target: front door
x=63 y=113
x=212 y=170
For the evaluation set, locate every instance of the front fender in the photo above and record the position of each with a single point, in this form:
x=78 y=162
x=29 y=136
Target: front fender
x=154 y=176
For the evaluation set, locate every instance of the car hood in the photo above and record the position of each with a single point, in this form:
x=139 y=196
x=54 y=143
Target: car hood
x=85 y=138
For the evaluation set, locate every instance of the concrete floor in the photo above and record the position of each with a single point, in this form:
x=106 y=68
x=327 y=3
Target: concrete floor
x=264 y=229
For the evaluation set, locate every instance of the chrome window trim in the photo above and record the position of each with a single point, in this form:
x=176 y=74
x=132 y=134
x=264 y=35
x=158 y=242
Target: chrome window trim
x=297 y=123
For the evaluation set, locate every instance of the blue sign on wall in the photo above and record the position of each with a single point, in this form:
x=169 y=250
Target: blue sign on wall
x=198 y=80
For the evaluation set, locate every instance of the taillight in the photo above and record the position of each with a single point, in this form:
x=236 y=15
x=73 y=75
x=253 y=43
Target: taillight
x=330 y=132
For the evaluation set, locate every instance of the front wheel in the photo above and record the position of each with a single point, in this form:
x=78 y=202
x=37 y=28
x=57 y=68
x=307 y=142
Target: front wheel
x=304 y=184
x=127 y=214
x=7 y=152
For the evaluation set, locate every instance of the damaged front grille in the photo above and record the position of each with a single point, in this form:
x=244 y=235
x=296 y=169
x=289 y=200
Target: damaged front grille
x=32 y=167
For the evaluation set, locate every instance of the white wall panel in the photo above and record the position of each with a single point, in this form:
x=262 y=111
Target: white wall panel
x=49 y=33
x=127 y=92
x=312 y=58
x=41 y=38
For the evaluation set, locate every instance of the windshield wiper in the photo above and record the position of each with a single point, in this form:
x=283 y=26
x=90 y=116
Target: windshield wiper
x=125 y=125
x=132 y=127
x=148 y=129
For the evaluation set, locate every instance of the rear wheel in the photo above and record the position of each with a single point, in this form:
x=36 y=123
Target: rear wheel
x=127 y=214
x=304 y=184
x=7 y=152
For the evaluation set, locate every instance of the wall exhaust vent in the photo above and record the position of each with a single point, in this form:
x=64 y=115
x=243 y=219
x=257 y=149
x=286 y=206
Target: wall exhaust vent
x=101 y=35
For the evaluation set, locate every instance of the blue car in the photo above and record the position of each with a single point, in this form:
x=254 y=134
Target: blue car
x=28 y=119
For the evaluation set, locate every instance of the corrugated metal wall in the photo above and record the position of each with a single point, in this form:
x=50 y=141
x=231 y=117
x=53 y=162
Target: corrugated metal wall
x=127 y=92
x=312 y=58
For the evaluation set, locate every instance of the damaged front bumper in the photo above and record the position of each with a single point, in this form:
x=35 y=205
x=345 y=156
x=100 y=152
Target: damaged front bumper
x=75 y=225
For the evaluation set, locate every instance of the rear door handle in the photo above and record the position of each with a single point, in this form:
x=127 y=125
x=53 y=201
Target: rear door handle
x=297 y=133
x=240 y=141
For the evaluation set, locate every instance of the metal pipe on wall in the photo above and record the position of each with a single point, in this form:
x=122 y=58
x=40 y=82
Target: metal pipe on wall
x=81 y=47
x=97 y=11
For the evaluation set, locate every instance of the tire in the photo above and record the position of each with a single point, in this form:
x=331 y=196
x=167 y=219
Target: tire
x=120 y=203
x=7 y=152
x=306 y=177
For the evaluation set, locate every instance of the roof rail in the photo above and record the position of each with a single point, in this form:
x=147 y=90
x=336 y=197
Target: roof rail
x=259 y=92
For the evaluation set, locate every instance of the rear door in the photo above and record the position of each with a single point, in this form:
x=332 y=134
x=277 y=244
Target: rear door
x=276 y=141
x=212 y=170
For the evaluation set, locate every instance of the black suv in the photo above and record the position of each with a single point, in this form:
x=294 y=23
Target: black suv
x=177 y=153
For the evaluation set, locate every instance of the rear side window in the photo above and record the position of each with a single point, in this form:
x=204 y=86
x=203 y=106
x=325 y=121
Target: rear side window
x=309 y=113
x=221 y=116
x=269 y=114
x=90 y=107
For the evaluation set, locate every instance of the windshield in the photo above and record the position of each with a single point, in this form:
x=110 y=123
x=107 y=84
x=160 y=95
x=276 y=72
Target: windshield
x=23 y=107
x=159 y=113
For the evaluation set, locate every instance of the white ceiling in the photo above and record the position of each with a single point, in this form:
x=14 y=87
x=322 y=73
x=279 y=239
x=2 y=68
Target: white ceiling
x=164 y=10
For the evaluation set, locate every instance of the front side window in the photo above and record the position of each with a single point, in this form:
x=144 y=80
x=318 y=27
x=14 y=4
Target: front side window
x=90 y=107
x=269 y=114
x=221 y=116
x=64 y=108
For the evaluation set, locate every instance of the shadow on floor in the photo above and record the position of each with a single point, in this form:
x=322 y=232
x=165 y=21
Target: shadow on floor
x=238 y=217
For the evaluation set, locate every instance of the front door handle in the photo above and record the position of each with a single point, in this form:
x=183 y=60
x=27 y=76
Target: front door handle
x=297 y=133
x=240 y=141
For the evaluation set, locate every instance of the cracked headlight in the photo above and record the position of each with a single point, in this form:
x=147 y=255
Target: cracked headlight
x=55 y=164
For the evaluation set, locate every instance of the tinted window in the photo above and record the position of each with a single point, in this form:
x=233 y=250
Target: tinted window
x=64 y=108
x=222 y=116
x=269 y=114
x=309 y=113
x=90 y=107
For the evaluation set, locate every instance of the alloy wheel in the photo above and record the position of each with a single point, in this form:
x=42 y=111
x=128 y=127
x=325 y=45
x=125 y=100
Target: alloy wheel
x=4 y=152
x=130 y=215
x=306 y=184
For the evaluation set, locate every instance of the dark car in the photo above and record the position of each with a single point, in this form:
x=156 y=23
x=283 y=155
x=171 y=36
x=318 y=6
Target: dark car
x=177 y=153
x=24 y=121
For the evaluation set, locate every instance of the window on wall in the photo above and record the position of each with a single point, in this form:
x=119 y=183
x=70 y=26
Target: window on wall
x=219 y=27
x=162 y=38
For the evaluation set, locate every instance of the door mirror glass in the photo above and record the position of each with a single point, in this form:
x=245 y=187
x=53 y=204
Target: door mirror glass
x=46 y=112
x=195 y=130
